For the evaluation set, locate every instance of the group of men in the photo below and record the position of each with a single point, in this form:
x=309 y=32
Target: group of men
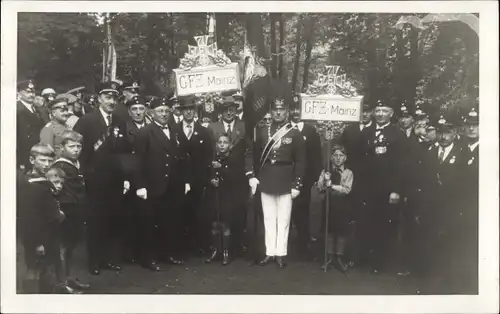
x=148 y=163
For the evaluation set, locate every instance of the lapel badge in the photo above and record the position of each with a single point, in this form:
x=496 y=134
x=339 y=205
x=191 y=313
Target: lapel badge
x=30 y=85
x=470 y=161
x=115 y=131
x=135 y=85
x=195 y=133
x=305 y=138
x=452 y=160
x=287 y=140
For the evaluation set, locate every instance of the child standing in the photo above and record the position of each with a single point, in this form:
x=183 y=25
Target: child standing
x=224 y=174
x=40 y=217
x=72 y=199
x=339 y=184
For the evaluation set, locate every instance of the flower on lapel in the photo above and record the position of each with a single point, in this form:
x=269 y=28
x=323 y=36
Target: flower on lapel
x=116 y=131
x=470 y=161
x=287 y=140
x=452 y=160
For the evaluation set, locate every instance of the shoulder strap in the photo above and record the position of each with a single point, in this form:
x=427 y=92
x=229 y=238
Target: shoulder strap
x=272 y=142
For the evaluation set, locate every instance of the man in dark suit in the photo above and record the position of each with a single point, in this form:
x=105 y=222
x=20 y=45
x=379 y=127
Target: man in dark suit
x=406 y=121
x=162 y=183
x=29 y=123
x=312 y=142
x=130 y=165
x=446 y=162
x=383 y=150
x=103 y=142
x=280 y=174
x=195 y=142
x=240 y=144
x=176 y=117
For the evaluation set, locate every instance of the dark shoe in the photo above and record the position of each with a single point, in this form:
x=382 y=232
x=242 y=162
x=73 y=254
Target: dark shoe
x=95 y=271
x=111 y=266
x=313 y=239
x=65 y=289
x=173 y=261
x=225 y=258
x=212 y=256
x=339 y=264
x=76 y=284
x=152 y=266
x=266 y=260
x=280 y=260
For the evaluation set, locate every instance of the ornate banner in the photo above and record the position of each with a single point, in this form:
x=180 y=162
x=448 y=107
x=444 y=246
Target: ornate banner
x=204 y=69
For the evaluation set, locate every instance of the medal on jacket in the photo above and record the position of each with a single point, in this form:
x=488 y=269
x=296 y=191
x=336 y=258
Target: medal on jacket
x=380 y=145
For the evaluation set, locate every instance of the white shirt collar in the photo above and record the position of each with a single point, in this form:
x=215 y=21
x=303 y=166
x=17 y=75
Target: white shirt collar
x=161 y=126
x=364 y=126
x=28 y=106
x=473 y=146
x=382 y=126
x=104 y=115
x=240 y=115
x=185 y=124
x=408 y=132
x=447 y=150
x=299 y=125
x=74 y=163
x=178 y=118
x=140 y=125
x=228 y=124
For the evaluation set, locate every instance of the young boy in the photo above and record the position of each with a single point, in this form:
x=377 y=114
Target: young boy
x=72 y=199
x=39 y=218
x=339 y=184
x=223 y=177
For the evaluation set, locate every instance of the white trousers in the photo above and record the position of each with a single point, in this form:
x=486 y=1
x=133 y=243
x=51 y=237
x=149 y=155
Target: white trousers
x=277 y=211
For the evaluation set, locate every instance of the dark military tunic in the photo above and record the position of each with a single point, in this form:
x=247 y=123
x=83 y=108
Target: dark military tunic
x=284 y=168
x=29 y=125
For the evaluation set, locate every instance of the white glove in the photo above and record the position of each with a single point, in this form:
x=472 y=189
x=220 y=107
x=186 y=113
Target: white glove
x=142 y=193
x=394 y=198
x=253 y=182
x=187 y=188
x=126 y=186
x=295 y=193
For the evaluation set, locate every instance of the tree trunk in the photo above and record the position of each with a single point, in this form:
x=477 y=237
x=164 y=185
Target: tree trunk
x=281 y=70
x=274 y=59
x=400 y=81
x=222 y=25
x=414 y=64
x=298 y=45
x=309 y=46
x=255 y=34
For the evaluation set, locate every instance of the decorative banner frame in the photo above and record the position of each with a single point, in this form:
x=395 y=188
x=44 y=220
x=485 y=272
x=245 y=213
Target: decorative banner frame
x=204 y=69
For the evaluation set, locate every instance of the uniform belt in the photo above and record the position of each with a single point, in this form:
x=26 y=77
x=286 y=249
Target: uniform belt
x=278 y=162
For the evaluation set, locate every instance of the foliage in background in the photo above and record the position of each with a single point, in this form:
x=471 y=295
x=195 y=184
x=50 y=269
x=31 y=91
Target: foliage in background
x=436 y=68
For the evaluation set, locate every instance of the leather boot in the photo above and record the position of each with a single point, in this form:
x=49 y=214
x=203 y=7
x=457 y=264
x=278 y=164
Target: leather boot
x=226 y=242
x=214 y=248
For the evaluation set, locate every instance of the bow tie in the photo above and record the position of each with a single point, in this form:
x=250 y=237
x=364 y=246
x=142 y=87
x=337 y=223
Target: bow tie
x=163 y=127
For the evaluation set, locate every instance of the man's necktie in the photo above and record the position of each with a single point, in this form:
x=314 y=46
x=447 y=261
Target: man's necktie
x=108 y=119
x=336 y=176
x=229 y=131
x=441 y=156
x=189 y=131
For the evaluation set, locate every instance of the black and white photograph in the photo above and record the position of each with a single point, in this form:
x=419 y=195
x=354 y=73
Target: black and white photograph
x=234 y=156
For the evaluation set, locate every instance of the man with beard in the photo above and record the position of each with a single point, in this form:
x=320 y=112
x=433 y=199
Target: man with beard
x=29 y=123
x=313 y=165
x=103 y=142
x=383 y=152
x=280 y=175
x=161 y=184
x=51 y=133
x=235 y=130
x=195 y=142
x=131 y=167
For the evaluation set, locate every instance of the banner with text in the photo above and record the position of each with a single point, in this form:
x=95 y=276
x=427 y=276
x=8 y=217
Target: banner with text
x=207 y=79
x=331 y=108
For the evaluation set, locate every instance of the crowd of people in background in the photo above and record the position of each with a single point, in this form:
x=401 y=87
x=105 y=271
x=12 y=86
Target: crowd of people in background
x=150 y=179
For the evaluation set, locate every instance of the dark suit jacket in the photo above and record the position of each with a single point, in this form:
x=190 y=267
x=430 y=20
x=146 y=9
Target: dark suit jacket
x=102 y=168
x=199 y=152
x=29 y=126
x=314 y=156
x=382 y=174
x=241 y=143
x=161 y=160
x=352 y=140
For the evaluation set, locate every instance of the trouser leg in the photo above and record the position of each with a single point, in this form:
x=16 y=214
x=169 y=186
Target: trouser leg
x=269 y=208
x=284 y=210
